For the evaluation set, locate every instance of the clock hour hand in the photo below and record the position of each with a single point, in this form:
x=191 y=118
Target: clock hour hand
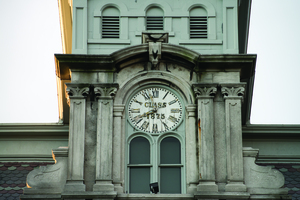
x=148 y=113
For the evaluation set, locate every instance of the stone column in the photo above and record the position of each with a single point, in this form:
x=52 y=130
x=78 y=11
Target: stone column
x=233 y=95
x=191 y=147
x=118 y=151
x=205 y=94
x=104 y=94
x=76 y=94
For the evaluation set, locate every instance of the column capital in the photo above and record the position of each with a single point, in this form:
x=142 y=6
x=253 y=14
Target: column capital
x=76 y=91
x=205 y=90
x=106 y=90
x=233 y=90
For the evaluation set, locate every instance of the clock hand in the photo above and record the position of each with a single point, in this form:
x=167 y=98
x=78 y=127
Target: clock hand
x=148 y=113
x=165 y=125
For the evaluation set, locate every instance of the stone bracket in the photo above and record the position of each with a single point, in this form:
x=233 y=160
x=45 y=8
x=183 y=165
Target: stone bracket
x=49 y=179
x=154 y=39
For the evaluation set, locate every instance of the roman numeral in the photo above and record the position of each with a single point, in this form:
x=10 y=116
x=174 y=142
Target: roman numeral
x=165 y=125
x=139 y=121
x=155 y=94
x=135 y=110
x=172 y=119
x=146 y=96
x=175 y=110
x=172 y=102
x=145 y=125
x=165 y=95
x=137 y=101
x=154 y=128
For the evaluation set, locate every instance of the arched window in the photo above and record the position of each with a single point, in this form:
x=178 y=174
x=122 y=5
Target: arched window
x=110 y=23
x=154 y=19
x=170 y=165
x=139 y=165
x=198 y=23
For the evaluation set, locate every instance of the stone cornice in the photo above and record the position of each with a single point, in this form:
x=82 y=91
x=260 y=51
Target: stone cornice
x=113 y=62
x=28 y=130
x=268 y=131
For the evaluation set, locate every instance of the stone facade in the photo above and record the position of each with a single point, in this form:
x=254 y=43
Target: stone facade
x=212 y=115
x=198 y=152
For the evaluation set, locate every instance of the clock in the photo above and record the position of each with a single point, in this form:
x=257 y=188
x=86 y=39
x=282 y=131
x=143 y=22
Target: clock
x=155 y=110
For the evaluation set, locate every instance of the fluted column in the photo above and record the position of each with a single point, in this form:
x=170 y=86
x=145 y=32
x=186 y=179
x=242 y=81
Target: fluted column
x=233 y=95
x=191 y=146
x=76 y=94
x=205 y=94
x=104 y=94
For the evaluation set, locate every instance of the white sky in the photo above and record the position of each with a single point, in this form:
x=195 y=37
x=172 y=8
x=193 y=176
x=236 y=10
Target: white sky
x=30 y=35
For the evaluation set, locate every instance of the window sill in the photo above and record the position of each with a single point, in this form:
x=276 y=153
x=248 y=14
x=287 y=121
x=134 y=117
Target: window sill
x=108 y=41
x=200 y=41
x=155 y=196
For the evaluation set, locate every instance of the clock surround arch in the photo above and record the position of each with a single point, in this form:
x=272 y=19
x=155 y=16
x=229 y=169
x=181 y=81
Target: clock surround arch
x=154 y=78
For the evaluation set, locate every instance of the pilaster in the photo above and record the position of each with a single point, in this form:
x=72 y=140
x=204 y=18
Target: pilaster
x=191 y=147
x=76 y=94
x=118 y=148
x=205 y=94
x=104 y=94
x=233 y=95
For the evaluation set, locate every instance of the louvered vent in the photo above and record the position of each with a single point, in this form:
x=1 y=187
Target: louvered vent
x=155 y=23
x=198 y=27
x=110 y=26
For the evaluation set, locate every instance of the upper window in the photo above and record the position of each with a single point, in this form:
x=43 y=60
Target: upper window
x=155 y=19
x=110 y=23
x=198 y=23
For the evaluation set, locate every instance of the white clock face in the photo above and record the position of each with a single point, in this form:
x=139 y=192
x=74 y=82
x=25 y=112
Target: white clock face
x=155 y=110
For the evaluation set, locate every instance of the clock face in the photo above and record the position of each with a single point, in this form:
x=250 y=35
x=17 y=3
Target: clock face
x=155 y=110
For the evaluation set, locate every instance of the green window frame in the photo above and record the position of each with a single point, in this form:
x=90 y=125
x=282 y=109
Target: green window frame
x=161 y=162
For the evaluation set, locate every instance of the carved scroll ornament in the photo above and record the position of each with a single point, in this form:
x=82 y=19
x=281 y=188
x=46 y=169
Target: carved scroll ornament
x=204 y=91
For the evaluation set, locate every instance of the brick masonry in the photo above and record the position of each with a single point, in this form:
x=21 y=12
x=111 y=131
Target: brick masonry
x=13 y=178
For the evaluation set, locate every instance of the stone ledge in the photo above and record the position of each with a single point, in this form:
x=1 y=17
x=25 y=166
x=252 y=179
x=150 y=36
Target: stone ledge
x=156 y=196
x=89 y=195
x=36 y=197
x=265 y=197
x=222 y=195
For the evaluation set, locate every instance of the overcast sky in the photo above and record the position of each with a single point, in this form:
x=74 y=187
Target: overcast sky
x=30 y=35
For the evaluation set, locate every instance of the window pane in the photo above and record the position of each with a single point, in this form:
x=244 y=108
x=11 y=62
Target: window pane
x=139 y=151
x=139 y=180
x=170 y=151
x=170 y=180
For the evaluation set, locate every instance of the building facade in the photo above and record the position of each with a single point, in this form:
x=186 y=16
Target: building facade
x=155 y=97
